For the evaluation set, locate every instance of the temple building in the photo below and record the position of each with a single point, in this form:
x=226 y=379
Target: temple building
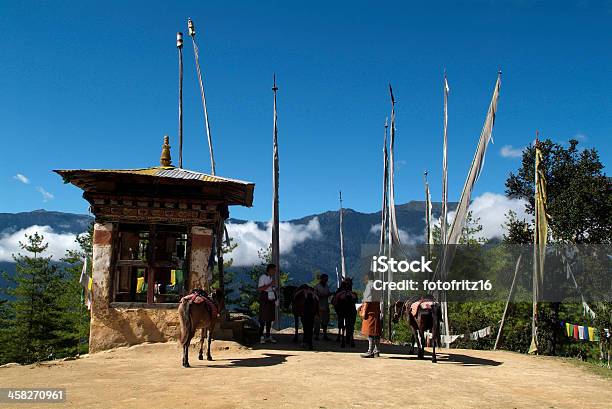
x=155 y=237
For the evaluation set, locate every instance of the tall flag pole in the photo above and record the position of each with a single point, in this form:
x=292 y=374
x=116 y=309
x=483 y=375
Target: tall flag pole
x=444 y=216
x=384 y=222
x=443 y=224
x=179 y=46
x=343 y=265
x=384 y=213
x=393 y=233
x=540 y=237
x=462 y=209
x=192 y=33
x=275 y=214
x=428 y=217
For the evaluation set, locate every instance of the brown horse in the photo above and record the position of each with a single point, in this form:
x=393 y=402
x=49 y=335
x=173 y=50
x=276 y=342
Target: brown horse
x=193 y=316
x=425 y=319
x=305 y=305
x=344 y=304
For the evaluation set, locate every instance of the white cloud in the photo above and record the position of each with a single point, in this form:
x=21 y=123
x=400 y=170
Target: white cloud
x=22 y=178
x=491 y=208
x=405 y=237
x=45 y=195
x=580 y=137
x=507 y=151
x=58 y=243
x=251 y=238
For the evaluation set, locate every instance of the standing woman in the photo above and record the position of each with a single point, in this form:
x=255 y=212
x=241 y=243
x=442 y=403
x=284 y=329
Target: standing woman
x=369 y=312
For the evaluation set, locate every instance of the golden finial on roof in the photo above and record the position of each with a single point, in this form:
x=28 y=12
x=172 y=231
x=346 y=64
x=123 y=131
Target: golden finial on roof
x=165 y=159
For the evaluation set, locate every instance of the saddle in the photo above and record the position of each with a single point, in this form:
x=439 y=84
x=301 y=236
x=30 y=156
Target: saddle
x=199 y=296
x=342 y=295
x=423 y=303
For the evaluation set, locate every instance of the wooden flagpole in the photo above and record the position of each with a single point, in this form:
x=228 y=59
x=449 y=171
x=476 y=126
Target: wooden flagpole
x=275 y=211
x=428 y=233
x=192 y=33
x=533 y=348
x=503 y=320
x=179 y=46
x=443 y=224
x=384 y=223
x=392 y=228
x=342 y=265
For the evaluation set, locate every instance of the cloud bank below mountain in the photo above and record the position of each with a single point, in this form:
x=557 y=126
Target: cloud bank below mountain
x=59 y=243
x=251 y=239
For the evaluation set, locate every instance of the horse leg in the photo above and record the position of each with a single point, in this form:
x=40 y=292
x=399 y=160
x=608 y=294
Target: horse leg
x=415 y=336
x=200 y=354
x=186 y=343
x=308 y=323
x=341 y=331
x=433 y=353
x=435 y=330
x=295 y=335
x=422 y=342
x=208 y=355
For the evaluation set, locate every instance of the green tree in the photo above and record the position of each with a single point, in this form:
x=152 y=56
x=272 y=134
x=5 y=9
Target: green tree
x=517 y=231
x=579 y=194
x=35 y=331
x=579 y=203
x=43 y=316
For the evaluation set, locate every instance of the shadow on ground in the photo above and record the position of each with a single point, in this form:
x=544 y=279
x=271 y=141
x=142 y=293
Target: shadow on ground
x=266 y=360
x=285 y=343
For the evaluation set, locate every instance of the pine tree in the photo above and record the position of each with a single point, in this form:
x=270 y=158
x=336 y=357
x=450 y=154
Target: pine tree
x=34 y=331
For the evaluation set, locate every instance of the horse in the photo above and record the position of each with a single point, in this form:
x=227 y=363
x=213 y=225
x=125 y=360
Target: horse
x=194 y=315
x=344 y=304
x=428 y=316
x=304 y=304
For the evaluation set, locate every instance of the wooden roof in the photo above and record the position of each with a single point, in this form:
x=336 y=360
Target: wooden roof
x=154 y=180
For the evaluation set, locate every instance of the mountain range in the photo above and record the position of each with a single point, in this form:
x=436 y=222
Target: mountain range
x=320 y=253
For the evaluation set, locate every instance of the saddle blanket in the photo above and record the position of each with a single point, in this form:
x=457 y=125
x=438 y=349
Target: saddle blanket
x=424 y=304
x=200 y=296
x=340 y=295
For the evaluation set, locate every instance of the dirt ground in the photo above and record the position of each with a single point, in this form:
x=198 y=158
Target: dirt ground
x=285 y=376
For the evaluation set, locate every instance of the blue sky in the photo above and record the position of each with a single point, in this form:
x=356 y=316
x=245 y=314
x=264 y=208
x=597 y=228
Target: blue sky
x=94 y=85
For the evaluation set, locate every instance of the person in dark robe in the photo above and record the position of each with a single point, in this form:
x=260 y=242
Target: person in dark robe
x=266 y=287
x=369 y=312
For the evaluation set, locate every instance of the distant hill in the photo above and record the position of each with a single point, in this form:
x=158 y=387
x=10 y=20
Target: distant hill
x=321 y=254
x=59 y=221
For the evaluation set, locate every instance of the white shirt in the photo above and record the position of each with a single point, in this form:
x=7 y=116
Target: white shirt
x=370 y=294
x=264 y=280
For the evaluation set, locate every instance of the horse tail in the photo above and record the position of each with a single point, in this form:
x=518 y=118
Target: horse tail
x=186 y=321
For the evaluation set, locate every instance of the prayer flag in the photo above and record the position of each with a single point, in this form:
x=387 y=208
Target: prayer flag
x=575 y=331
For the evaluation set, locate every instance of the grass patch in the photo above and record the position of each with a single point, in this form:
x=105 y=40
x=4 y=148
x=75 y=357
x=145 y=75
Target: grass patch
x=594 y=367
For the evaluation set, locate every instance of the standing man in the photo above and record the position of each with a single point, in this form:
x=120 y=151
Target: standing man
x=322 y=291
x=369 y=312
x=266 y=287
